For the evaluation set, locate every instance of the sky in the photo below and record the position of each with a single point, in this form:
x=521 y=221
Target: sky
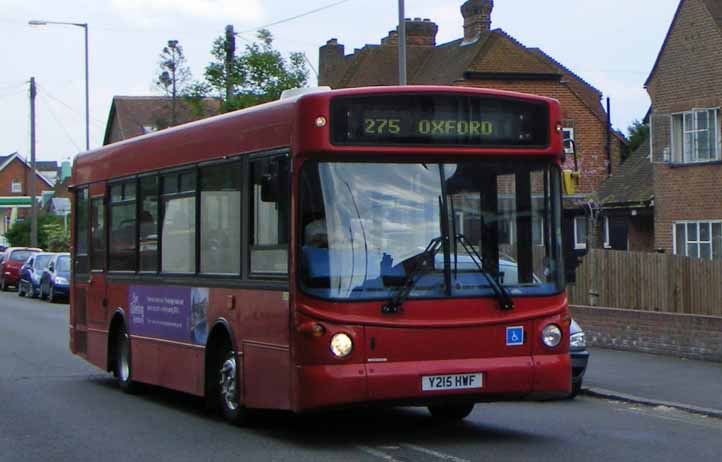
x=612 y=44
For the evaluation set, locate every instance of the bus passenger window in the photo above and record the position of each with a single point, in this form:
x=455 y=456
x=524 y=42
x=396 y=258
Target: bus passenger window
x=122 y=227
x=270 y=197
x=178 y=235
x=97 y=231
x=221 y=219
x=148 y=226
x=81 y=231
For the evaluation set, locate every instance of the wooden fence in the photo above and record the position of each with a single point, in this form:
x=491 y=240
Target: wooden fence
x=650 y=282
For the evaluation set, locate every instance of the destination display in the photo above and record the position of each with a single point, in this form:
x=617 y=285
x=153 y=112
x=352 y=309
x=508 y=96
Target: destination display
x=449 y=120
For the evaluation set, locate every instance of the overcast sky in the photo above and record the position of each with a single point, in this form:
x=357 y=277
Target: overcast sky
x=610 y=43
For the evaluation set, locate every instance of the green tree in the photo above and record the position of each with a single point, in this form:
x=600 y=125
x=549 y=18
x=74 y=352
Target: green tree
x=257 y=75
x=174 y=78
x=52 y=234
x=637 y=133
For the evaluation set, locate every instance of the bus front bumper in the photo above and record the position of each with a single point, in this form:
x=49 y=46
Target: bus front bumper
x=503 y=379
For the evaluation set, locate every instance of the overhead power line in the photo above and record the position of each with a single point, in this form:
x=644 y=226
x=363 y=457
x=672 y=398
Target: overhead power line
x=307 y=13
x=97 y=123
x=60 y=124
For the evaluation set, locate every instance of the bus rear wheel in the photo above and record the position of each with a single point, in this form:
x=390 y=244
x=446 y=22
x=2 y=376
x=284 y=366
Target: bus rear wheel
x=227 y=386
x=123 y=370
x=451 y=412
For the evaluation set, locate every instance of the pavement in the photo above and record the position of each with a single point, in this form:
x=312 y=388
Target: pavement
x=688 y=385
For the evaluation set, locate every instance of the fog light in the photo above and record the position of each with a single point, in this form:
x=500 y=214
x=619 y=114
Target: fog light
x=341 y=345
x=551 y=335
x=320 y=121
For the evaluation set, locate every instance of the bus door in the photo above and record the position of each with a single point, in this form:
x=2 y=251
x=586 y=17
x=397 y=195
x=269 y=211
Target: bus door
x=81 y=271
x=96 y=297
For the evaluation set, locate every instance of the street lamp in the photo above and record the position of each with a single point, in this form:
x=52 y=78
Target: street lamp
x=36 y=22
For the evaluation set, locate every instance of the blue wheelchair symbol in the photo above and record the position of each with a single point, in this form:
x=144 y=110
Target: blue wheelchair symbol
x=515 y=336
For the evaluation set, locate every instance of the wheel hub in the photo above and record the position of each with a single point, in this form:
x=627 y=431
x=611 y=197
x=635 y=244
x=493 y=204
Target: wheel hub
x=228 y=382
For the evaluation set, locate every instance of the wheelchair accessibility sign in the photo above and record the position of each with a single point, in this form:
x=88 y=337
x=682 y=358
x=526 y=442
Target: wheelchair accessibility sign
x=515 y=336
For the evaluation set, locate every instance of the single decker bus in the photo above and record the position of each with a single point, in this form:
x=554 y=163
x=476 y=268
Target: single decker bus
x=385 y=245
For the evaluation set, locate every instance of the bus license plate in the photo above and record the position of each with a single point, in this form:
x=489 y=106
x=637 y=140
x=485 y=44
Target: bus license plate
x=451 y=382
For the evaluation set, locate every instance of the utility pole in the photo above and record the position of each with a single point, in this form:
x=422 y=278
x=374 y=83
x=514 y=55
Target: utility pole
x=402 y=44
x=230 y=54
x=34 y=208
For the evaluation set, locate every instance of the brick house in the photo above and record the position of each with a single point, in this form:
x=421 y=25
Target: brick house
x=491 y=58
x=685 y=86
x=626 y=201
x=15 y=178
x=132 y=116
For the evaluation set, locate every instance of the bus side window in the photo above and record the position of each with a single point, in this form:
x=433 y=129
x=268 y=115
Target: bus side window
x=97 y=234
x=81 y=231
x=270 y=200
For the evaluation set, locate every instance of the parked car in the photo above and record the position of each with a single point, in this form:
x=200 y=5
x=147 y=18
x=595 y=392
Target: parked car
x=30 y=273
x=55 y=281
x=13 y=260
x=580 y=356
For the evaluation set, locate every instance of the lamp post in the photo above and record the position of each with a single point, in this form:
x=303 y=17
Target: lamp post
x=38 y=22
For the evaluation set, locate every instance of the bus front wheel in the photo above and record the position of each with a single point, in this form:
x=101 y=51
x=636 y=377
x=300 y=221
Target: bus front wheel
x=227 y=386
x=451 y=412
x=123 y=368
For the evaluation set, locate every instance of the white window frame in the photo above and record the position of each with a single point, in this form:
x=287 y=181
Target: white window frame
x=568 y=134
x=699 y=242
x=679 y=132
x=605 y=233
x=580 y=245
x=17 y=186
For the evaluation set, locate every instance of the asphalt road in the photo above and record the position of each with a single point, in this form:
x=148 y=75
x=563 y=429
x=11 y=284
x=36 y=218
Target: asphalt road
x=55 y=407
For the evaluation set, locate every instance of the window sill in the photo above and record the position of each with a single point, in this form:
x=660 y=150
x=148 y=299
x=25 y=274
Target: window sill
x=694 y=164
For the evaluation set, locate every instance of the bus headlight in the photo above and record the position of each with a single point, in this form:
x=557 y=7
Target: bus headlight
x=341 y=345
x=551 y=335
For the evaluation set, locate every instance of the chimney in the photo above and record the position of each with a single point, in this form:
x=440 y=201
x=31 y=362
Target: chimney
x=477 y=19
x=421 y=32
x=331 y=62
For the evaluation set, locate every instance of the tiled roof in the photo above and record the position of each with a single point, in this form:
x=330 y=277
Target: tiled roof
x=134 y=114
x=494 y=52
x=633 y=184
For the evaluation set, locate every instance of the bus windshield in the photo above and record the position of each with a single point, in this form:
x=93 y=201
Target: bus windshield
x=366 y=228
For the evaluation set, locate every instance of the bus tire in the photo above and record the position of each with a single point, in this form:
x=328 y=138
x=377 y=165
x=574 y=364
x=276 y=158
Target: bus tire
x=451 y=412
x=123 y=368
x=227 y=387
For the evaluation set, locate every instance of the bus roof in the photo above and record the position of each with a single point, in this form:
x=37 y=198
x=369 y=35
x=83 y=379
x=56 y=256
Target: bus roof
x=267 y=126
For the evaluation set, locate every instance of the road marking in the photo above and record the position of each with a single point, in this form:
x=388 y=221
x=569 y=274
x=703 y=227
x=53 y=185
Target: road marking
x=376 y=453
x=431 y=452
x=674 y=415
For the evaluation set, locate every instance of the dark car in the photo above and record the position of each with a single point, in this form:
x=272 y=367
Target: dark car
x=13 y=259
x=55 y=281
x=580 y=356
x=31 y=272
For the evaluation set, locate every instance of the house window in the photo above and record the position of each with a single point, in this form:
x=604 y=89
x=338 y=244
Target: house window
x=695 y=136
x=605 y=233
x=568 y=136
x=698 y=239
x=580 y=232
x=17 y=187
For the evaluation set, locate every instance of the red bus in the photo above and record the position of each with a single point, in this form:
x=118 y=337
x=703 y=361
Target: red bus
x=390 y=245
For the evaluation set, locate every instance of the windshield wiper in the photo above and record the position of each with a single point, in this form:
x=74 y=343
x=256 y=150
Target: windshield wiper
x=505 y=301
x=423 y=263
